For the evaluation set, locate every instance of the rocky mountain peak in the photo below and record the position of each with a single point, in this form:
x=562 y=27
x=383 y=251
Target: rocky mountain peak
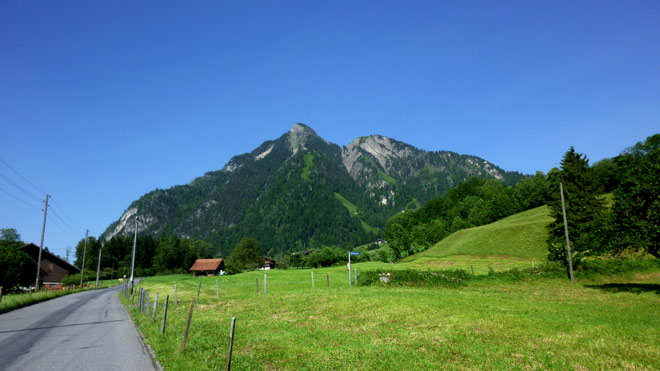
x=298 y=136
x=383 y=150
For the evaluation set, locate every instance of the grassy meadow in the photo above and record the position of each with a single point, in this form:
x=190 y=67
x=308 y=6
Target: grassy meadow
x=511 y=242
x=538 y=322
x=493 y=321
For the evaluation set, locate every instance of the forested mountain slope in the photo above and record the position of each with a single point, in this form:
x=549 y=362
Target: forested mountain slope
x=300 y=191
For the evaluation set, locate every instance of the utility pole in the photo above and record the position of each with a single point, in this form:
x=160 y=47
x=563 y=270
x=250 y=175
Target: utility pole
x=568 y=246
x=133 y=259
x=98 y=267
x=82 y=270
x=41 y=245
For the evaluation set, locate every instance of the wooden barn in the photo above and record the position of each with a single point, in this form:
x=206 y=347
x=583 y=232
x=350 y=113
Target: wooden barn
x=208 y=267
x=53 y=268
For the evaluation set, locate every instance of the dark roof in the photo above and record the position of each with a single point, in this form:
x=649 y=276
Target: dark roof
x=33 y=250
x=206 y=265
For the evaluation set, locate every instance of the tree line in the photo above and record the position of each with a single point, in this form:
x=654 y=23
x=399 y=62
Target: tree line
x=625 y=223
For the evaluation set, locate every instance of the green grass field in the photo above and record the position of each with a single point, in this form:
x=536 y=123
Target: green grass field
x=491 y=323
x=536 y=323
x=511 y=242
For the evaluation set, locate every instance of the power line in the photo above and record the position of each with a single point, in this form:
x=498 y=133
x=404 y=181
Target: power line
x=66 y=216
x=62 y=220
x=21 y=200
x=61 y=228
x=28 y=193
x=22 y=177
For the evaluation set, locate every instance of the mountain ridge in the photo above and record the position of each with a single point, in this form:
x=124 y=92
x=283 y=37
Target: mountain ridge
x=267 y=193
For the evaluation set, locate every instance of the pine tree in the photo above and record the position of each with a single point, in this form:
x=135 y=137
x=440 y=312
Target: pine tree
x=583 y=207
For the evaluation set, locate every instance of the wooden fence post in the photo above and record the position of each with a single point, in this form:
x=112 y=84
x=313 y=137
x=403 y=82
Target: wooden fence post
x=185 y=334
x=175 y=301
x=153 y=313
x=231 y=343
x=162 y=326
x=355 y=274
x=312 y=279
x=147 y=306
x=471 y=267
x=257 y=286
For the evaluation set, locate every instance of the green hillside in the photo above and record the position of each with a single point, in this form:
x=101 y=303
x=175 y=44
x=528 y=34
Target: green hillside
x=511 y=242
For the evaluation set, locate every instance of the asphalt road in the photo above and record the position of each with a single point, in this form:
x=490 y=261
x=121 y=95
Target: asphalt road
x=84 y=331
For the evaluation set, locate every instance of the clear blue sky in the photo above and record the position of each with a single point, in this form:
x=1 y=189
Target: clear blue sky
x=101 y=102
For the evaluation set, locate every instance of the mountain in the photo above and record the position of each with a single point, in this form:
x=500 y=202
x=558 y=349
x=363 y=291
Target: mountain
x=300 y=191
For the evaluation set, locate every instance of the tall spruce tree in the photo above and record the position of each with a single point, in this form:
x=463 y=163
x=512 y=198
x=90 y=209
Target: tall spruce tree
x=636 y=209
x=583 y=207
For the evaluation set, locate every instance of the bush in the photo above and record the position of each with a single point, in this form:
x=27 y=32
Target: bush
x=417 y=278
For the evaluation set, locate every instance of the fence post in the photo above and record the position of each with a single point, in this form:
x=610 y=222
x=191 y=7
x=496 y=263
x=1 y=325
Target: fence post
x=175 y=301
x=216 y=288
x=231 y=342
x=472 y=270
x=162 y=326
x=257 y=286
x=153 y=313
x=147 y=307
x=312 y=279
x=0 y=294
x=355 y=273
x=185 y=334
x=199 y=288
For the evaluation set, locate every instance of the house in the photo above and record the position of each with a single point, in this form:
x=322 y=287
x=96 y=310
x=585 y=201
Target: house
x=268 y=264
x=208 y=267
x=53 y=268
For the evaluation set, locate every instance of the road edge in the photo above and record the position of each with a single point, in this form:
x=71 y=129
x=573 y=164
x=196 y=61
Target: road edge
x=143 y=340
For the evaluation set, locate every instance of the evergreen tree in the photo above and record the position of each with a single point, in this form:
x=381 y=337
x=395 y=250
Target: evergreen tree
x=636 y=209
x=583 y=207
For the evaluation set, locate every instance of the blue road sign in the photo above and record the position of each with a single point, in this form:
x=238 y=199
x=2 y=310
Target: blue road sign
x=354 y=253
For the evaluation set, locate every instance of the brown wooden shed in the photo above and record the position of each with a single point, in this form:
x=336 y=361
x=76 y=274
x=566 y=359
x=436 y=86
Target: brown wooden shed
x=207 y=267
x=53 y=268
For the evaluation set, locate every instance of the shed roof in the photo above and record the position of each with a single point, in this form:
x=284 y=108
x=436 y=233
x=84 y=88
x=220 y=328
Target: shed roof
x=206 y=265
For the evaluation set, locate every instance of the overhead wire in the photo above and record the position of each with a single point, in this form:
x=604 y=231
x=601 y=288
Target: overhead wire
x=72 y=234
x=20 y=199
x=62 y=220
x=25 y=191
x=21 y=176
x=62 y=224
x=54 y=202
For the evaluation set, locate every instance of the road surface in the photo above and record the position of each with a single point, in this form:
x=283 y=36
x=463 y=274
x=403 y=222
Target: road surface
x=83 y=331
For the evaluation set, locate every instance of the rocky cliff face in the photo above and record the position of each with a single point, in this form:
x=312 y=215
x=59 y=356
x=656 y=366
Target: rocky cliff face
x=300 y=190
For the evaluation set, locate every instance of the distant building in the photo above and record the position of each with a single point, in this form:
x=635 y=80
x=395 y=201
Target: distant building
x=380 y=241
x=268 y=264
x=208 y=267
x=53 y=268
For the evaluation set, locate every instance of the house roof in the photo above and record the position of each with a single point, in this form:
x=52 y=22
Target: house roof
x=33 y=250
x=206 y=265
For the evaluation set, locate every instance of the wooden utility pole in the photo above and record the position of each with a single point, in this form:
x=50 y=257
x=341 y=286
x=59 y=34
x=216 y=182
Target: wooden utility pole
x=98 y=267
x=568 y=245
x=82 y=269
x=41 y=245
